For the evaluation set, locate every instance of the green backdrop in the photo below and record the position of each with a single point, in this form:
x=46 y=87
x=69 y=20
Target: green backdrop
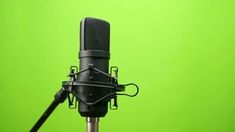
x=180 y=52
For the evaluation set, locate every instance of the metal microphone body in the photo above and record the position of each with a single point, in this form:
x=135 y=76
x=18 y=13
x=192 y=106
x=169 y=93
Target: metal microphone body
x=94 y=51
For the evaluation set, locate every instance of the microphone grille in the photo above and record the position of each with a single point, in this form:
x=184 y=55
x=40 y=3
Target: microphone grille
x=96 y=34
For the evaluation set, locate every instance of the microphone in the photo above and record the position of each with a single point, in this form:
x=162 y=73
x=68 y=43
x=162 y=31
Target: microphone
x=94 y=51
x=95 y=85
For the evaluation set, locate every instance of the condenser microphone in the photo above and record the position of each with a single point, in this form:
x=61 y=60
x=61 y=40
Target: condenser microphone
x=94 y=51
x=94 y=85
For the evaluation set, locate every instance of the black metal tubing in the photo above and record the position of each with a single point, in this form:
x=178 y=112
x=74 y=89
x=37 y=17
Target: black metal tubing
x=59 y=98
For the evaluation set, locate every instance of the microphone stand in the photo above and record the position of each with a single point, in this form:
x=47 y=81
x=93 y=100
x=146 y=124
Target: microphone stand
x=59 y=97
x=92 y=124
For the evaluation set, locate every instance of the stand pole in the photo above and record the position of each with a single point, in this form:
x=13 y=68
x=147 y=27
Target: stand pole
x=59 y=98
x=92 y=124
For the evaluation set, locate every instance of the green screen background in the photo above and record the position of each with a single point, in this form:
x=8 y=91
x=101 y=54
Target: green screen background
x=181 y=53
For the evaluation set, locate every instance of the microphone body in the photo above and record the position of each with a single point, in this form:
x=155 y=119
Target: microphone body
x=94 y=51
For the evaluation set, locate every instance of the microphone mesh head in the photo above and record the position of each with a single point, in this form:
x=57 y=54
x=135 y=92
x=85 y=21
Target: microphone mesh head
x=95 y=34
